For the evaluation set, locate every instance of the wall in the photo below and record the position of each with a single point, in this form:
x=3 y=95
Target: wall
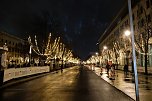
x=13 y=73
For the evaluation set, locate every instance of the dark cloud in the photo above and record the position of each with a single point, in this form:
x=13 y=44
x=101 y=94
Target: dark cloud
x=80 y=22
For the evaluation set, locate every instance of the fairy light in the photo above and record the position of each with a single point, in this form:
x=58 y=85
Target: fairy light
x=53 y=49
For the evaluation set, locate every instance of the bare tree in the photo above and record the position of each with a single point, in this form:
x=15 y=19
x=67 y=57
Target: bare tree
x=143 y=32
x=123 y=44
x=116 y=49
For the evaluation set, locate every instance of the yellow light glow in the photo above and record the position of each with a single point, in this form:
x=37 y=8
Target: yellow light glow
x=127 y=32
x=105 y=47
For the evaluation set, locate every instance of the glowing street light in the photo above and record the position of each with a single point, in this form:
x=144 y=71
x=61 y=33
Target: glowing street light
x=127 y=33
x=97 y=58
x=97 y=53
x=105 y=47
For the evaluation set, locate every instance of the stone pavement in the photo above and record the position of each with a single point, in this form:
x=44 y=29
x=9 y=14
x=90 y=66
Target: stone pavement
x=127 y=84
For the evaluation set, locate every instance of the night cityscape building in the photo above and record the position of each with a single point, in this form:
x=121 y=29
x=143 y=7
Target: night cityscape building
x=49 y=68
x=17 y=49
x=119 y=45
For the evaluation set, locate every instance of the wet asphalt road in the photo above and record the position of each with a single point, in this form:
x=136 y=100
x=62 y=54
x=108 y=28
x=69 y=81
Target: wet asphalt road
x=74 y=84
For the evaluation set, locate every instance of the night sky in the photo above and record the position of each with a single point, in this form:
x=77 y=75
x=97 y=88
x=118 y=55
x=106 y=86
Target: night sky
x=79 y=22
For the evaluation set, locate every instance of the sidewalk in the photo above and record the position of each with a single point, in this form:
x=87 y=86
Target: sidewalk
x=128 y=86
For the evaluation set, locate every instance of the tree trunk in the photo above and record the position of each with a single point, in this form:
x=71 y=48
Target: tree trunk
x=127 y=60
x=146 y=71
x=116 y=63
x=116 y=60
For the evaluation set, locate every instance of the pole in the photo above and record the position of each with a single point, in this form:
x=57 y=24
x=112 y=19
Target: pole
x=30 y=52
x=133 y=50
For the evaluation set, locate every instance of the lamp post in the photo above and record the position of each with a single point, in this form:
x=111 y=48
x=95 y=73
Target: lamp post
x=105 y=48
x=107 y=54
x=116 y=55
x=97 y=58
x=30 y=52
x=133 y=50
x=127 y=34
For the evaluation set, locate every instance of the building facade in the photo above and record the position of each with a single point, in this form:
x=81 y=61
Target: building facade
x=119 y=45
x=17 y=49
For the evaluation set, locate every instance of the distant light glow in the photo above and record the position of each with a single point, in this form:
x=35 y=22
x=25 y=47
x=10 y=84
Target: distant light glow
x=127 y=32
x=97 y=53
x=105 y=47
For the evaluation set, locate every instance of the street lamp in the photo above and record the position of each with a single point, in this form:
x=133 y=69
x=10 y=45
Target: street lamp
x=105 y=47
x=30 y=52
x=97 y=53
x=97 y=58
x=127 y=32
x=133 y=50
